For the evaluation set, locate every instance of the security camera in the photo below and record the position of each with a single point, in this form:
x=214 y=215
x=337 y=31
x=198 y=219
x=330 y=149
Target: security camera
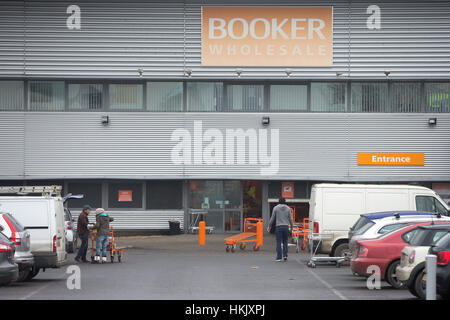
x=239 y=72
x=288 y=72
x=140 y=72
x=387 y=73
x=188 y=72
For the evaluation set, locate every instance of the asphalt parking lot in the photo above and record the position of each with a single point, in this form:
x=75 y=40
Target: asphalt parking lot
x=175 y=267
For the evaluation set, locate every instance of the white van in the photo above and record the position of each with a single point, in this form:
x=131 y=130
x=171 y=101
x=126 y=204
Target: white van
x=334 y=208
x=43 y=217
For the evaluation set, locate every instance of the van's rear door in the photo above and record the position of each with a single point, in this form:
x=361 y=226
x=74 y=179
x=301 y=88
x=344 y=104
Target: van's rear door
x=59 y=229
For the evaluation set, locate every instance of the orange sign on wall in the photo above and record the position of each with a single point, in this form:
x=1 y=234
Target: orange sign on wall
x=391 y=159
x=267 y=36
x=125 y=195
x=287 y=190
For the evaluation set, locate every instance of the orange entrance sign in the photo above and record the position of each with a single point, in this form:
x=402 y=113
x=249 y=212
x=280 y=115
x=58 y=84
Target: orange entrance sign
x=391 y=159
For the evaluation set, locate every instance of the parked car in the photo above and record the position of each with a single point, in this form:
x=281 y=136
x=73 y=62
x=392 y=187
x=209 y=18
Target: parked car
x=377 y=227
x=21 y=238
x=70 y=234
x=334 y=208
x=442 y=250
x=384 y=252
x=43 y=217
x=9 y=271
x=412 y=263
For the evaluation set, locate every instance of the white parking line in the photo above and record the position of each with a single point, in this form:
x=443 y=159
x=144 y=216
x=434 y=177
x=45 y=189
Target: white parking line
x=329 y=286
x=26 y=297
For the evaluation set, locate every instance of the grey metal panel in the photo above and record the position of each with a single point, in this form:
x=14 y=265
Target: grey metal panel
x=139 y=220
x=115 y=40
x=12 y=145
x=12 y=39
x=313 y=146
x=413 y=42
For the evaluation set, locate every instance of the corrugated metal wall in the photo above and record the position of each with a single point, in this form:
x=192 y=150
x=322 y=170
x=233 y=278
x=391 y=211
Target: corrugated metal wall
x=139 y=220
x=313 y=146
x=163 y=37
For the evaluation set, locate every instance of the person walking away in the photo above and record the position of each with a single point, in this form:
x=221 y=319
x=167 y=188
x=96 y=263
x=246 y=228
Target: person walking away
x=102 y=226
x=83 y=233
x=282 y=216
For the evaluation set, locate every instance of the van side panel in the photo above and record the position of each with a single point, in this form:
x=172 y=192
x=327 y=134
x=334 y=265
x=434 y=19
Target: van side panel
x=33 y=215
x=387 y=200
x=341 y=208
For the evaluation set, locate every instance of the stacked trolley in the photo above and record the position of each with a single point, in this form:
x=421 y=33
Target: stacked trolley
x=318 y=238
x=112 y=247
x=250 y=235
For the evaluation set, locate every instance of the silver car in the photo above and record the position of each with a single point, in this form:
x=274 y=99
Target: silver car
x=8 y=269
x=21 y=239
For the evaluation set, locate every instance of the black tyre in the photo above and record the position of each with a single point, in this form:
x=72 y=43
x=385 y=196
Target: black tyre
x=119 y=258
x=112 y=259
x=342 y=250
x=33 y=273
x=391 y=276
x=23 y=275
x=412 y=289
x=420 y=285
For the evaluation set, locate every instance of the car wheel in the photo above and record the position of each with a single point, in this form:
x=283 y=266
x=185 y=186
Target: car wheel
x=23 y=275
x=420 y=285
x=391 y=276
x=412 y=289
x=33 y=273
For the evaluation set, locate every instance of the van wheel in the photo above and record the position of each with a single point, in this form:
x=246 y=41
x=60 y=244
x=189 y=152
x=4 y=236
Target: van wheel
x=342 y=250
x=420 y=285
x=23 y=275
x=33 y=273
x=391 y=276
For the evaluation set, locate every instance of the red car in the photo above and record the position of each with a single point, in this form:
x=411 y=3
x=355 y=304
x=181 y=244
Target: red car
x=384 y=252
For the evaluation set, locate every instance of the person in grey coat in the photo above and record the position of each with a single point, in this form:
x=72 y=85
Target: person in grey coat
x=282 y=216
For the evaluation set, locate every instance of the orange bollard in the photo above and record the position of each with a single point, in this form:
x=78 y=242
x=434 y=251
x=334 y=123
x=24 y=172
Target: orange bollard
x=259 y=234
x=201 y=233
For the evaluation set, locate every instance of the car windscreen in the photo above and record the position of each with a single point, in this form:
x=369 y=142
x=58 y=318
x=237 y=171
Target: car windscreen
x=4 y=238
x=362 y=221
x=364 y=228
x=14 y=222
x=444 y=242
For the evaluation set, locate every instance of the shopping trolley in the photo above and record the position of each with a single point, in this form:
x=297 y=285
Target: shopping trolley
x=112 y=246
x=314 y=259
x=248 y=236
x=196 y=217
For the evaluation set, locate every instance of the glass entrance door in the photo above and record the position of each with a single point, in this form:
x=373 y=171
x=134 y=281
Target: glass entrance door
x=221 y=200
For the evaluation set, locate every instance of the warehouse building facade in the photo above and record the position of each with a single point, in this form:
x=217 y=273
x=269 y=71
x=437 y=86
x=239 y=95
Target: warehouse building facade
x=158 y=110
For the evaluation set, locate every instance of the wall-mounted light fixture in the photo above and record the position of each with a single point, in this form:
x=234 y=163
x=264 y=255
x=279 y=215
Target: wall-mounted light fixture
x=432 y=121
x=288 y=72
x=140 y=72
x=188 y=72
x=265 y=121
x=105 y=120
x=339 y=73
x=387 y=73
x=239 y=72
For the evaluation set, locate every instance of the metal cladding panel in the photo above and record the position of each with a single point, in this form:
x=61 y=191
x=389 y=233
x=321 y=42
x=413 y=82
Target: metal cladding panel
x=116 y=39
x=312 y=146
x=12 y=39
x=139 y=220
x=413 y=42
x=12 y=145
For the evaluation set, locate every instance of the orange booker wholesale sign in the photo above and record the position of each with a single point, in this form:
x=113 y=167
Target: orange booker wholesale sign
x=267 y=36
x=391 y=159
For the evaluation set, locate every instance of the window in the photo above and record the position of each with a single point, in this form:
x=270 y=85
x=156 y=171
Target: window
x=126 y=96
x=407 y=236
x=46 y=95
x=125 y=195
x=11 y=95
x=391 y=227
x=437 y=97
x=406 y=97
x=370 y=97
x=430 y=204
x=288 y=97
x=164 y=195
x=364 y=228
x=329 y=97
x=204 y=96
x=165 y=96
x=92 y=194
x=245 y=97
x=85 y=96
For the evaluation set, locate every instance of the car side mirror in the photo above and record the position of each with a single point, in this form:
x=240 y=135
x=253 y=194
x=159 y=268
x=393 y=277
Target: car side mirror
x=434 y=250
